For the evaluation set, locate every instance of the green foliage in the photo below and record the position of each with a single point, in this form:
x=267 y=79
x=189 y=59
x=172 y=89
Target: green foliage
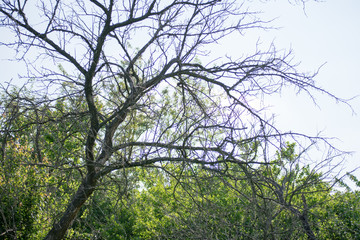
x=204 y=206
x=21 y=194
x=38 y=175
x=288 y=152
x=32 y=189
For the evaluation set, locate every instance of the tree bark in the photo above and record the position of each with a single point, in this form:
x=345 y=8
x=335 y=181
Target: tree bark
x=84 y=191
x=304 y=221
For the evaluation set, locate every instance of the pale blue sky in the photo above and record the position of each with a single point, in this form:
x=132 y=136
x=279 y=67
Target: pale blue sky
x=318 y=33
x=328 y=32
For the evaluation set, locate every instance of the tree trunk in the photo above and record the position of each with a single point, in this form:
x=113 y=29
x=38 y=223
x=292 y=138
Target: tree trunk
x=304 y=221
x=84 y=191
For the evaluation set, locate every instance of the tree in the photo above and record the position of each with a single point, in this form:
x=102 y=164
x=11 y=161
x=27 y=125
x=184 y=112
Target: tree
x=138 y=94
x=20 y=197
x=223 y=205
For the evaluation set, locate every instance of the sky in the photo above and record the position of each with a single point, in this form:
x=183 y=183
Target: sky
x=319 y=33
x=327 y=33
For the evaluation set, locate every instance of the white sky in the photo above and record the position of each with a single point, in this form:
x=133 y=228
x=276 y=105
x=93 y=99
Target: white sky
x=328 y=32
x=321 y=32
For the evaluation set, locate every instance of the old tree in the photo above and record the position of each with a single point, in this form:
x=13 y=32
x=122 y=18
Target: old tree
x=121 y=93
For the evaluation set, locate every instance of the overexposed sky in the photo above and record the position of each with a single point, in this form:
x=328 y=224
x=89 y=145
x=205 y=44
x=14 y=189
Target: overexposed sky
x=325 y=32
